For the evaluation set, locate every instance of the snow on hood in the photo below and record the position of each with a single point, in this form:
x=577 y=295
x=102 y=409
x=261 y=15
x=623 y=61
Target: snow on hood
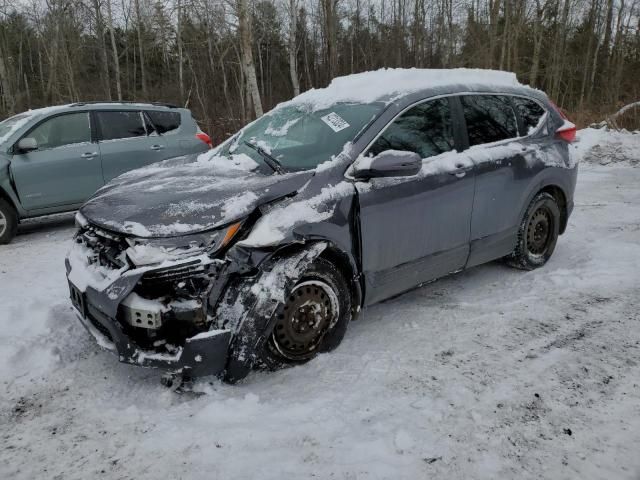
x=392 y=83
x=186 y=195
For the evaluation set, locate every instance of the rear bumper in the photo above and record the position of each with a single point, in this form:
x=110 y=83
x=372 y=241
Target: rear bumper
x=204 y=354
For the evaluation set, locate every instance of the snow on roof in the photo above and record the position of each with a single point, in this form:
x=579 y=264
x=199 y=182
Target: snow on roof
x=389 y=84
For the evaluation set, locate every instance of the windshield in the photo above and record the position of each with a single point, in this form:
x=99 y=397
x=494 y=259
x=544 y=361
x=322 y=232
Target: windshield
x=11 y=124
x=300 y=139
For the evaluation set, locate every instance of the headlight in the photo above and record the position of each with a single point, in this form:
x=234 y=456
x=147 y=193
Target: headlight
x=151 y=251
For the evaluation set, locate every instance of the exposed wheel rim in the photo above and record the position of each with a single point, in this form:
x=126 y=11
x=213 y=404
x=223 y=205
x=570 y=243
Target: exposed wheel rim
x=3 y=223
x=309 y=311
x=540 y=231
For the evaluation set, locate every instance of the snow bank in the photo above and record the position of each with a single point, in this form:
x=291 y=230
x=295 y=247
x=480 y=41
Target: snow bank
x=604 y=146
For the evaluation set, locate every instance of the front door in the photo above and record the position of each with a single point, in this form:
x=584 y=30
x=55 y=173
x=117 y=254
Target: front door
x=125 y=144
x=415 y=229
x=64 y=169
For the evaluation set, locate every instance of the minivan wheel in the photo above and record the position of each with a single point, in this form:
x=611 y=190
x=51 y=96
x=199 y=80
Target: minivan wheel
x=8 y=222
x=538 y=233
x=312 y=319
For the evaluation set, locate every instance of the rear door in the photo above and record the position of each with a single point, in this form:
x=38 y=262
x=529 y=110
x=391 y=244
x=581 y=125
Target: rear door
x=64 y=170
x=414 y=229
x=505 y=162
x=125 y=143
x=165 y=126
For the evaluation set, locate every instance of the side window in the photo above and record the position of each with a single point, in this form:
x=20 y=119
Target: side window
x=164 y=122
x=489 y=118
x=424 y=129
x=531 y=114
x=62 y=130
x=114 y=125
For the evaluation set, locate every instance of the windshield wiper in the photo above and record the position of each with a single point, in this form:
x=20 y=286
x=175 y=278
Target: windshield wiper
x=275 y=165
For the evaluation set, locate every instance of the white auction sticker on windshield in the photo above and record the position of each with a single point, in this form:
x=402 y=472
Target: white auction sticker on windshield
x=335 y=121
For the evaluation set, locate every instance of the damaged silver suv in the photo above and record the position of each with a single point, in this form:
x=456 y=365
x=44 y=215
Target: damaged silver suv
x=259 y=253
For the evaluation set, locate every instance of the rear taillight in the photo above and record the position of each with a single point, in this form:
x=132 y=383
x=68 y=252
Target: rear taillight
x=567 y=130
x=205 y=138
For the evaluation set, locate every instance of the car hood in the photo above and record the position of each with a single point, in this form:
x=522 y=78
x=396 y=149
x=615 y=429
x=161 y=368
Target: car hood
x=187 y=195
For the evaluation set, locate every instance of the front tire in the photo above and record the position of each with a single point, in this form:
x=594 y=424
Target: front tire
x=312 y=319
x=8 y=222
x=538 y=233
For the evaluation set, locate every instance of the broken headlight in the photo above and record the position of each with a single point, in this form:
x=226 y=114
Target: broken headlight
x=154 y=251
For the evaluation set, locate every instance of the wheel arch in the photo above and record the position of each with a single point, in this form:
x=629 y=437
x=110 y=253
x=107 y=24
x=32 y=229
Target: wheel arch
x=338 y=257
x=5 y=196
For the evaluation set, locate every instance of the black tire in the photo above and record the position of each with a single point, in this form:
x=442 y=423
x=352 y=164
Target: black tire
x=321 y=301
x=8 y=222
x=538 y=233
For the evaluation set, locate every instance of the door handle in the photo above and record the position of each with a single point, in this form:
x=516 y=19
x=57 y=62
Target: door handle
x=460 y=170
x=157 y=147
x=89 y=155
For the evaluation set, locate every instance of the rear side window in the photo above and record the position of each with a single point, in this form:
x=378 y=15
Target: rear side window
x=62 y=130
x=490 y=118
x=424 y=129
x=164 y=122
x=531 y=114
x=114 y=125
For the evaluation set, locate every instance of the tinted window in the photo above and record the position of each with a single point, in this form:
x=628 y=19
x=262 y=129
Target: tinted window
x=530 y=112
x=120 y=125
x=164 y=121
x=424 y=129
x=62 y=130
x=490 y=118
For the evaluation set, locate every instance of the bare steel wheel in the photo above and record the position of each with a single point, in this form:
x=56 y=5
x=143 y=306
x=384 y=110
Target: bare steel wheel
x=310 y=310
x=313 y=317
x=538 y=233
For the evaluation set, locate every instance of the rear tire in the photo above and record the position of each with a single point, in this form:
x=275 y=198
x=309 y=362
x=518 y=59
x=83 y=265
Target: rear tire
x=538 y=233
x=313 y=318
x=8 y=222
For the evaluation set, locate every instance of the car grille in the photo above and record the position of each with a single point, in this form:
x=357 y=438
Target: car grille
x=108 y=249
x=173 y=274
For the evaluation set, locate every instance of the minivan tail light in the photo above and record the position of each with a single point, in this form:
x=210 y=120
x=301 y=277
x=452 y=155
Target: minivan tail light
x=205 y=138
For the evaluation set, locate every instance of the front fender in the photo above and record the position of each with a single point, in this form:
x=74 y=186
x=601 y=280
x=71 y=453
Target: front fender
x=249 y=307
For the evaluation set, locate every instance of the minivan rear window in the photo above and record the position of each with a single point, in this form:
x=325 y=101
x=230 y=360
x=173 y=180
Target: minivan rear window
x=164 y=122
x=125 y=124
x=490 y=118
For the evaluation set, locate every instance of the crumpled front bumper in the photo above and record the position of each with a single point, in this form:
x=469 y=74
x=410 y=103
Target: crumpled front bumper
x=204 y=354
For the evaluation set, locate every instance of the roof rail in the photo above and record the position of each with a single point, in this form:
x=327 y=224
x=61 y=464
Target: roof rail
x=125 y=102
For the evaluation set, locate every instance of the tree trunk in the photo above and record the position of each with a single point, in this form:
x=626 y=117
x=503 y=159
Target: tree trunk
x=293 y=47
x=7 y=93
x=114 y=48
x=102 y=50
x=143 y=76
x=248 y=66
x=180 y=53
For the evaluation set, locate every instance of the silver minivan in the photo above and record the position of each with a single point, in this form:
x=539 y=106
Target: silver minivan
x=52 y=159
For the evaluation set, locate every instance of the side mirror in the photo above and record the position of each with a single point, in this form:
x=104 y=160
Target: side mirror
x=27 y=144
x=390 y=163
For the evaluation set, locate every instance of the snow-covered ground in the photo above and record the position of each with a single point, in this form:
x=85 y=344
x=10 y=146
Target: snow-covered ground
x=491 y=373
